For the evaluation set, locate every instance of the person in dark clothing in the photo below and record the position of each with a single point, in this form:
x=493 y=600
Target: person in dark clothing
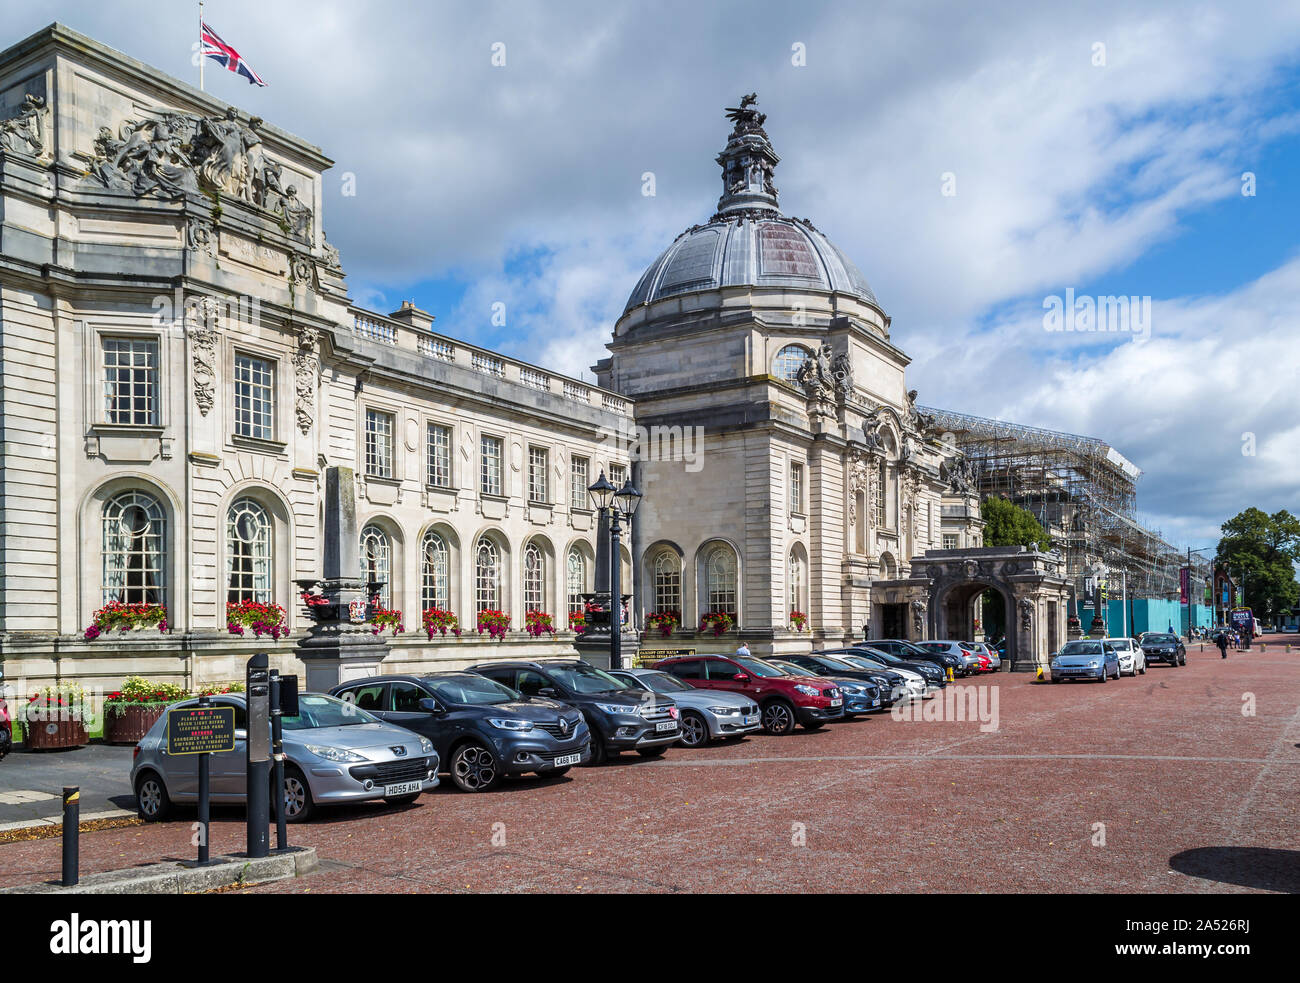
x=1222 y=642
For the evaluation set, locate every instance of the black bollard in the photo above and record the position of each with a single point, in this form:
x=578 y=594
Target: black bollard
x=277 y=756
x=258 y=756
x=71 y=835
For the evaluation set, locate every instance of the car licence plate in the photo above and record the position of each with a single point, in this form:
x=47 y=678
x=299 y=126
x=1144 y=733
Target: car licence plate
x=568 y=759
x=402 y=788
x=751 y=719
x=666 y=725
x=876 y=702
x=837 y=702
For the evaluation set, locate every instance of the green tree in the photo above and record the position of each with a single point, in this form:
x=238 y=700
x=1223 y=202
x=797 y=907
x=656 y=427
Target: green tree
x=1263 y=549
x=1007 y=524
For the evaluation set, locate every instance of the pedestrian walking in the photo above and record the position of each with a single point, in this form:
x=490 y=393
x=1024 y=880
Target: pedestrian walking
x=1222 y=642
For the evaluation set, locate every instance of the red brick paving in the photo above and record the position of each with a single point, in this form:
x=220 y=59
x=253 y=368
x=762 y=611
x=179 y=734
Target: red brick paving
x=1167 y=762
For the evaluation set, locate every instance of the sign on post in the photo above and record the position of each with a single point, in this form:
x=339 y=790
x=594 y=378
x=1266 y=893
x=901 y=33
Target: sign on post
x=201 y=730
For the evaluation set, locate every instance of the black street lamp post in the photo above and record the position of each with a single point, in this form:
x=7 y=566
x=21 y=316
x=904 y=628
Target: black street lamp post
x=618 y=502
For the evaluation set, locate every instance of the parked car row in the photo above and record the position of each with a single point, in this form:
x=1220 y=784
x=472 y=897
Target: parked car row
x=1101 y=659
x=391 y=737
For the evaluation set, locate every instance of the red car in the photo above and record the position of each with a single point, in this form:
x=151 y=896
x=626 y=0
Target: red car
x=783 y=700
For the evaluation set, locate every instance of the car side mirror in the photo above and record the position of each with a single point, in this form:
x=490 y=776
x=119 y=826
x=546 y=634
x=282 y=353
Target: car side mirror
x=741 y=677
x=430 y=705
x=548 y=692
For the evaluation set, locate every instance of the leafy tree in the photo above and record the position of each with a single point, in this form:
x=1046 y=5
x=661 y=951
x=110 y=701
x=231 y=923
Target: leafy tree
x=1263 y=548
x=1007 y=524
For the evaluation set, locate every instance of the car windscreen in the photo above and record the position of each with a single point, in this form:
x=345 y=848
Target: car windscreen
x=828 y=664
x=471 y=689
x=792 y=669
x=661 y=682
x=884 y=656
x=862 y=662
x=1157 y=639
x=317 y=710
x=761 y=668
x=1081 y=648
x=582 y=678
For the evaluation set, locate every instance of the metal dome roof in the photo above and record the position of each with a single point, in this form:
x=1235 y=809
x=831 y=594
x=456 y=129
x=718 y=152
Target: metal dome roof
x=749 y=242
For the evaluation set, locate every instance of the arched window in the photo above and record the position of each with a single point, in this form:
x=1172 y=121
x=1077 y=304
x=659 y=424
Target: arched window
x=487 y=576
x=789 y=360
x=576 y=580
x=134 y=550
x=534 y=578
x=377 y=563
x=668 y=583
x=720 y=577
x=798 y=578
x=248 y=552
x=435 y=583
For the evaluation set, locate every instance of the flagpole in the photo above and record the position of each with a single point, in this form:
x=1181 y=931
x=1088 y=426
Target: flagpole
x=200 y=45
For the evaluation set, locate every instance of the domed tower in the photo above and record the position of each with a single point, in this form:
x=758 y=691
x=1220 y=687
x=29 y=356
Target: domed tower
x=783 y=463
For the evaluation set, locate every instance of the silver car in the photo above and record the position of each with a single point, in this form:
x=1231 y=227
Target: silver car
x=336 y=753
x=1085 y=658
x=707 y=714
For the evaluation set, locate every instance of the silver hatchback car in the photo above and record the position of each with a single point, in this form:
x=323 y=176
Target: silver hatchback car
x=336 y=753
x=707 y=714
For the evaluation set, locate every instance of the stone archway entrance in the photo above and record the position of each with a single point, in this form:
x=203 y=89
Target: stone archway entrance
x=945 y=585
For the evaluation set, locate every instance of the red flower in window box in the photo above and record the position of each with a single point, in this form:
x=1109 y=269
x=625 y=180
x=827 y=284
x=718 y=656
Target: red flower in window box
x=495 y=623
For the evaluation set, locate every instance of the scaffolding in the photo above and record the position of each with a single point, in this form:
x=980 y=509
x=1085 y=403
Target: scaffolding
x=1082 y=491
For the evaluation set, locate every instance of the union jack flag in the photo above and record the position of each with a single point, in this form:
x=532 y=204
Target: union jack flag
x=224 y=54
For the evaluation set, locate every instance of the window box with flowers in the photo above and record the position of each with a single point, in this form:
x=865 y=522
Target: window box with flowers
x=718 y=622
x=798 y=620
x=56 y=717
x=384 y=619
x=664 y=622
x=438 y=622
x=132 y=710
x=221 y=689
x=121 y=617
x=539 y=623
x=261 y=619
x=577 y=622
x=495 y=623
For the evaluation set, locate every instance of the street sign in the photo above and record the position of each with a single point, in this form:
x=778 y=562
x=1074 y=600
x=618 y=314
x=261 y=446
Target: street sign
x=201 y=730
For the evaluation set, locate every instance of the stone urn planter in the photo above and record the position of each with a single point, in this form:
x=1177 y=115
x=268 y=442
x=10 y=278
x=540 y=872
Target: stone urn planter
x=129 y=724
x=52 y=735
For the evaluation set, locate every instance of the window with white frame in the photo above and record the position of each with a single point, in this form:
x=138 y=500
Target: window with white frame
x=134 y=557
x=882 y=492
x=668 y=583
x=254 y=397
x=439 y=450
x=538 y=460
x=248 y=552
x=579 y=479
x=576 y=580
x=798 y=576
x=377 y=563
x=491 y=452
x=435 y=578
x=534 y=578
x=796 y=488
x=949 y=541
x=789 y=360
x=487 y=576
x=617 y=475
x=379 y=444
x=720 y=579
x=131 y=381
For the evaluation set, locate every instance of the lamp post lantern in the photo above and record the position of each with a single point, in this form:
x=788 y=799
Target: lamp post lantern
x=618 y=503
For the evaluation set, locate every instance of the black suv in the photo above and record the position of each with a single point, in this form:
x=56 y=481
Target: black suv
x=1159 y=646
x=888 y=683
x=622 y=717
x=481 y=729
x=903 y=649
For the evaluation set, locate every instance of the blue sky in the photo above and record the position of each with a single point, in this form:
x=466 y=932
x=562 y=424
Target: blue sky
x=521 y=184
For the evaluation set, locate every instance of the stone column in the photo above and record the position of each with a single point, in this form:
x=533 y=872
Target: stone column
x=337 y=648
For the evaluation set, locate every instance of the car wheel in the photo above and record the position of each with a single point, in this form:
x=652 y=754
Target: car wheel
x=1055 y=680
x=599 y=754
x=152 y=800
x=778 y=718
x=1104 y=674
x=474 y=768
x=695 y=730
x=298 y=803
x=1143 y=670
x=652 y=752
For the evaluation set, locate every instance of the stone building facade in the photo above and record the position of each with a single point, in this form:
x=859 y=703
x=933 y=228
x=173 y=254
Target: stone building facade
x=179 y=364
x=817 y=475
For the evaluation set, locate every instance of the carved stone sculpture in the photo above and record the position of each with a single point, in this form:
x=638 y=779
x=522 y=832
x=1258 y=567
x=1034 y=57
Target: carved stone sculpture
x=1026 y=613
x=202 y=322
x=918 y=616
x=304 y=383
x=25 y=132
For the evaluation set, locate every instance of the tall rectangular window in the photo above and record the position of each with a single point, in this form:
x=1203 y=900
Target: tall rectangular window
x=254 y=397
x=379 y=444
x=537 y=465
x=490 y=466
x=131 y=382
x=796 y=488
x=617 y=475
x=882 y=492
x=439 y=469
x=578 y=482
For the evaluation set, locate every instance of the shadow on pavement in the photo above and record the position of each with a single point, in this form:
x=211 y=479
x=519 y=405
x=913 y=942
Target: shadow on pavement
x=1255 y=867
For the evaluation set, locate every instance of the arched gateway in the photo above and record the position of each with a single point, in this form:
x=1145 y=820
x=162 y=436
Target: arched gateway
x=938 y=599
